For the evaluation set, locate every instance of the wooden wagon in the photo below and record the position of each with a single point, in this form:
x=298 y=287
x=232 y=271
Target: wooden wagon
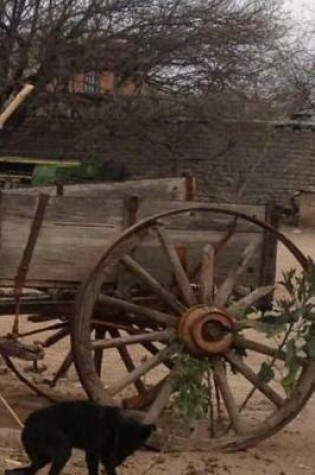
x=136 y=274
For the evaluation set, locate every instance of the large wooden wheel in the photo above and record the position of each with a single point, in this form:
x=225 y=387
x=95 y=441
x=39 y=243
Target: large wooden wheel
x=162 y=287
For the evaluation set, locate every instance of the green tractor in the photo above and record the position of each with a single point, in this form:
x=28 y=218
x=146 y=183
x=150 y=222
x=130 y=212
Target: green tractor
x=21 y=171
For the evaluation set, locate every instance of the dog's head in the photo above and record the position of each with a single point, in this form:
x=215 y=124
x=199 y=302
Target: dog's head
x=130 y=436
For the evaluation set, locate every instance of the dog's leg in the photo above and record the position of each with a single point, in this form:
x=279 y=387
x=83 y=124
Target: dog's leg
x=108 y=465
x=92 y=461
x=109 y=468
x=59 y=459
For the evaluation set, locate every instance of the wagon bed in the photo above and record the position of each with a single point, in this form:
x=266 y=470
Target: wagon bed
x=78 y=225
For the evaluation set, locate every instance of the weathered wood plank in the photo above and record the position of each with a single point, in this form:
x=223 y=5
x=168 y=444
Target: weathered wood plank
x=62 y=253
x=76 y=231
x=68 y=253
x=168 y=188
x=98 y=211
x=67 y=211
x=204 y=221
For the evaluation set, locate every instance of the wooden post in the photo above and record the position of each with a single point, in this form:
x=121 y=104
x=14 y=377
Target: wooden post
x=190 y=186
x=130 y=209
x=27 y=254
x=269 y=256
x=59 y=189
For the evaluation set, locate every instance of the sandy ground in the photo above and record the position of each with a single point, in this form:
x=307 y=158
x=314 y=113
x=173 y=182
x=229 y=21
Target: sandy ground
x=290 y=452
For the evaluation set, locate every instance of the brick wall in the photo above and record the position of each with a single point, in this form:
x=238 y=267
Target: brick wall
x=253 y=162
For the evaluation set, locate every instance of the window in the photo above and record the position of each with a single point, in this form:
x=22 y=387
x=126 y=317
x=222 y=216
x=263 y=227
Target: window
x=91 y=83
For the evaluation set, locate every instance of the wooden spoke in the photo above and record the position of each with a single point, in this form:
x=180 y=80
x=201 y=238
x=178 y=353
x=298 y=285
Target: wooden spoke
x=144 y=399
x=151 y=348
x=154 y=350
x=248 y=374
x=100 y=333
x=164 y=335
x=218 y=399
x=219 y=245
x=226 y=287
x=56 y=326
x=155 y=315
x=210 y=403
x=265 y=350
x=227 y=395
x=154 y=285
x=161 y=400
x=141 y=370
x=127 y=360
x=118 y=326
x=133 y=331
x=124 y=247
x=238 y=307
x=62 y=370
x=207 y=275
x=53 y=339
x=177 y=268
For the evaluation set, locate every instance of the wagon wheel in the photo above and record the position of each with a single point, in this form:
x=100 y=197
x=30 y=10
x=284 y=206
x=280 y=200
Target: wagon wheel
x=45 y=362
x=36 y=342
x=195 y=310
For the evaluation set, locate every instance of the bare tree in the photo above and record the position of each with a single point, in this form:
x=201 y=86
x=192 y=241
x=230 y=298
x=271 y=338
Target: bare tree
x=172 y=46
x=296 y=92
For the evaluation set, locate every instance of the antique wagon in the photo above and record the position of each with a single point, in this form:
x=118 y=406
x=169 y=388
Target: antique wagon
x=136 y=277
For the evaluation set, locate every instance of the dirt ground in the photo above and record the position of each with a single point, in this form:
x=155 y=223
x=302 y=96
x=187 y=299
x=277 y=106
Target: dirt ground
x=290 y=452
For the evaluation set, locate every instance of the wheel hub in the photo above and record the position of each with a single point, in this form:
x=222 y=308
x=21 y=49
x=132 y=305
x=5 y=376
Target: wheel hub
x=206 y=330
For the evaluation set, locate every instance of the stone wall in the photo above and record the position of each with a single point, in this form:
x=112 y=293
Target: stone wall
x=253 y=162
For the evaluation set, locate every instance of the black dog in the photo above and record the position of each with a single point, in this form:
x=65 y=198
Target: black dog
x=107 y=434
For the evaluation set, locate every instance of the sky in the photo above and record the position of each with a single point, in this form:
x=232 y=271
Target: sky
x=301 y=9
x=302 y=13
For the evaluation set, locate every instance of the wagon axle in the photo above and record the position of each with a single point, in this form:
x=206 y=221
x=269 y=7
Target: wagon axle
x=206 y=330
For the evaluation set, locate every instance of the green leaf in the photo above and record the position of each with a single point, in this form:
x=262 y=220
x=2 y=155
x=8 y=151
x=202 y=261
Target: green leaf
x=291 y=355
x=309 y=347
x=191 y=398
x=311 y=275
x=266 y=373
x=288 y=281
x=311 y=330
x=271 y=325
x=289 y=381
